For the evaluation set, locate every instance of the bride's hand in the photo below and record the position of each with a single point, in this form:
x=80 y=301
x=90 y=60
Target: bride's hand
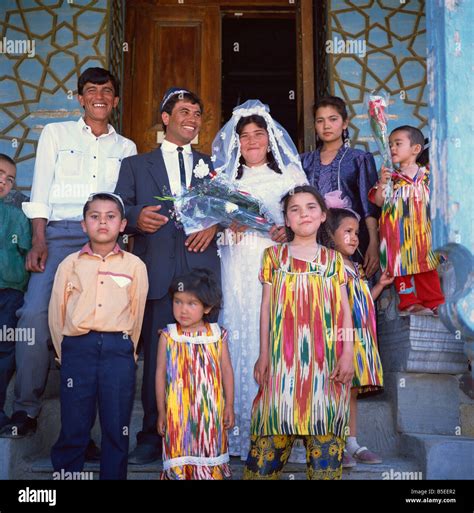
x=278 y=234
x=237 y=228
x=237 y=231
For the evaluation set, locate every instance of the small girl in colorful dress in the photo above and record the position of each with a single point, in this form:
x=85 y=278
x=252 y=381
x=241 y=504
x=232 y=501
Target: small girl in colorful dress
x=343 y=227
x=305 y=365
x=405 y=226
x=194 y=383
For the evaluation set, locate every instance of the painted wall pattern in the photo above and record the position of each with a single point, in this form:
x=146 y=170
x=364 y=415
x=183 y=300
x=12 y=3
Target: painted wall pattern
x=66 y=37
x=379 y=44
x=70 y=35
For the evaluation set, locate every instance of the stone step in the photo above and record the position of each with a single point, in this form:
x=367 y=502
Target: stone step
x=376 y=426
x=441 y=456
x=16 y=453
x=391 y=468
x=417 y=343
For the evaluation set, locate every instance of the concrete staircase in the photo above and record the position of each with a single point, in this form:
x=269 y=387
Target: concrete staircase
x=28 y=458
x=413 y=427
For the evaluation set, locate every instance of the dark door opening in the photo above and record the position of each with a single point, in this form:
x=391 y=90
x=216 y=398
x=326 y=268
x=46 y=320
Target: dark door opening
x=259 y=61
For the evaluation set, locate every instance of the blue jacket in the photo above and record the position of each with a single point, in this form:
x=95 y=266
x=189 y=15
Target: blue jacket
x=141 y=178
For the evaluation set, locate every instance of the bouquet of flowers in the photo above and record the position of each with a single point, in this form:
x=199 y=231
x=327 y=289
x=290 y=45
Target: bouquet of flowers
x=218 y=201
x=378 y=124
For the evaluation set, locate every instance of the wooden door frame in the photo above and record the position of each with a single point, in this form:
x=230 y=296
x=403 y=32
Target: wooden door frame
x=305 y=56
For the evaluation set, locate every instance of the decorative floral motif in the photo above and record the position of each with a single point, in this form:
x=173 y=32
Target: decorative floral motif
x=201 y=169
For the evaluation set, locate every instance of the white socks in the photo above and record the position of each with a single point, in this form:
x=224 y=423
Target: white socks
x=351 y=445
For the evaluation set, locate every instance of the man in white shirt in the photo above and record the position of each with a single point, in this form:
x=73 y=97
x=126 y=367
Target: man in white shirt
x=159 y=241
x=73 y=160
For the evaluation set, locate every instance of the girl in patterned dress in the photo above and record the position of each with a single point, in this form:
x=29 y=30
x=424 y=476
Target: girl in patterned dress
x=194 y=383
x=335 y=166
x=343 y=227
x=305 y=365
x=405 y=226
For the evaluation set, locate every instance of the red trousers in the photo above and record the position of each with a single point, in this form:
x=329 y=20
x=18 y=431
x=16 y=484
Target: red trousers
x=419 y=289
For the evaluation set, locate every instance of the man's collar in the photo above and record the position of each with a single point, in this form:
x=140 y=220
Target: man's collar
x=82 y=126
x=86 y=249
x=169 y=147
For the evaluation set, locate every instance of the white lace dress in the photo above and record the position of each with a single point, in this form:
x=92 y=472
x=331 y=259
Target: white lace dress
x=242 y=291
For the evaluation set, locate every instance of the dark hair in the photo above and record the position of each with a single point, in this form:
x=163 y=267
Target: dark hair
x=97 y=76
x=105 y=197
x=414 y=134
x=203 y=284
x=333 y=221
x=189 y=97
x=286 y=199
x=424 y=157
x=340 y=106
x=8 y=159
x=261 y=123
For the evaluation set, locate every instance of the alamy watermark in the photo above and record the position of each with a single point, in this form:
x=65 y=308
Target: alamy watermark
x=72 y=476
x=401 y=476
x=74 y=191
x=230 y=238
x=347 y=46
x=17 y=335
x=18 y=46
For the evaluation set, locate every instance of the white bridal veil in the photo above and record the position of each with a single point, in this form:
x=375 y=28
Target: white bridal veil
x=226 y=145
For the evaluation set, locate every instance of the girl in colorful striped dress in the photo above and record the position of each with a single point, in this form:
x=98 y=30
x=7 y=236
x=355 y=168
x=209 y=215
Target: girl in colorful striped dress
x=194 y=383
x=343 y=227
x=305 y=365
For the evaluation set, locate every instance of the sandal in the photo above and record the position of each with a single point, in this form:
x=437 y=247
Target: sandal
x=363 y=455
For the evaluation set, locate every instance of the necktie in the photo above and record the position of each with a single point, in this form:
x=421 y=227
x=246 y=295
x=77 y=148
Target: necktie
x=182 y=170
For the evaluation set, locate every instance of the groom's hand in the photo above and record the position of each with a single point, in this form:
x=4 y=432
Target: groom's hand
x=200 y=240
x=149 y=221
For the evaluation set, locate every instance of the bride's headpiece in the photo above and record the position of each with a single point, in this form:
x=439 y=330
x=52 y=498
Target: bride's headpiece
x=226 y=145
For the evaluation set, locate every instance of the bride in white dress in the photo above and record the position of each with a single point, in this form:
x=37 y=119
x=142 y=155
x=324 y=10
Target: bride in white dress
x=260 y=157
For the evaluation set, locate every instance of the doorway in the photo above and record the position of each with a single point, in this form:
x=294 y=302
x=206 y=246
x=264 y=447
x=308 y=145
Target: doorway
x=259 y=62
x=191 y=44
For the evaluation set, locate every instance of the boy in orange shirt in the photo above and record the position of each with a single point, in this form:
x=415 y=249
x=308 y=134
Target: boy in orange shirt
x=95 y=318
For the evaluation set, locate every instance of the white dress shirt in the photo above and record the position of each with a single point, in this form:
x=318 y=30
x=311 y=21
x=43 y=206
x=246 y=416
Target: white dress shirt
x=71 y=163
x=170 y=156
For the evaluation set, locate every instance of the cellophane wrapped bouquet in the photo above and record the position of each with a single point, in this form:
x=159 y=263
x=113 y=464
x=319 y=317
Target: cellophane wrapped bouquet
x=218 y=201
x=377 y=106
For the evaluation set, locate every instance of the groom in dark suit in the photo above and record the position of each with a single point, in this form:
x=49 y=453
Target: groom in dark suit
x=159 y=242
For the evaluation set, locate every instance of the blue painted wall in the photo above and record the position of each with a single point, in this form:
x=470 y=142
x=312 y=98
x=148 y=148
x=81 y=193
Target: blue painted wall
x=38 y=89
x=451 y=97
x=394 y=34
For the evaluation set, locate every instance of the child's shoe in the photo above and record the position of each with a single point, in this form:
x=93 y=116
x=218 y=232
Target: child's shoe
x=363 y=455
x=348 y=461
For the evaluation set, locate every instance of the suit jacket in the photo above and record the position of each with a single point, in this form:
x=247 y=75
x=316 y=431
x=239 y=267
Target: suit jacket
x=141 y=178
